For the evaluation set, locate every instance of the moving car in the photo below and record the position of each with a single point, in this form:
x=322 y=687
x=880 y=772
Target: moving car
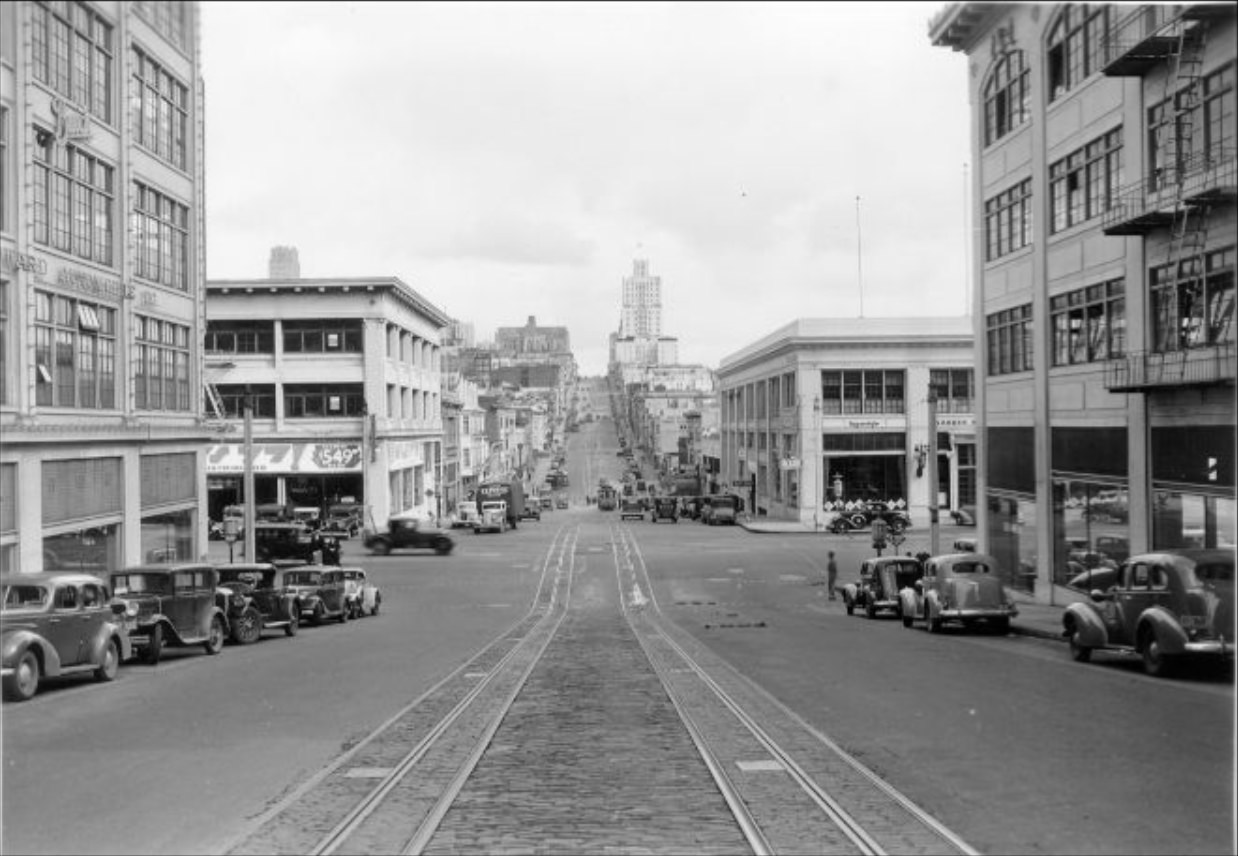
x=665 y=508
x=719 y=510
x=58 y=624
x=254 y=602
x=492 y=517
x=964 y=588
x=294 y=541
x=409 y=533
x=531 y=511
x=881 y=580
x=466 y=514
x=344 y=520
x=170 y=605
x=631 y=507
x=319 y=590
x=1166 y=607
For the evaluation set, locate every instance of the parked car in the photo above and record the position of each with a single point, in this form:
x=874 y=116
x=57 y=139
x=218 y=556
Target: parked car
x=294 y=541
x=361 y=595
x=344 y=520
x=546 y=502
x=170 y=605
x=58 y=624
x=719 y=510
x=531 y=511
x=665 y=508
x=492 y=517
x=881 y=580
x=466 y=514
x=254 y=602
x=319 y=590
x=409 y=533
x=631 y=507
x=965 y=588
x=1165 y=606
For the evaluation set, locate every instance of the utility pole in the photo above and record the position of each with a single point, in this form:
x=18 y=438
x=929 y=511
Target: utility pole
x=247 y=405
x=934 y=533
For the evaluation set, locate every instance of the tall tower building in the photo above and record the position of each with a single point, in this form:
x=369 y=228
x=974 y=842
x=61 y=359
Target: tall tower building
x=642 y=303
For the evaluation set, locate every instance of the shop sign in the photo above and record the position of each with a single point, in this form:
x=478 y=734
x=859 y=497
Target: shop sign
x=285 y=458
x=967 y=421
x=789 y=463
x=868 y=423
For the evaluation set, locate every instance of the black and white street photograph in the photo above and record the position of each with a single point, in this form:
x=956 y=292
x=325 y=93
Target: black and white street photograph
x=618 y=428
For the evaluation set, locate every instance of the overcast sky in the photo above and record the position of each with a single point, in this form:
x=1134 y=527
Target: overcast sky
x=512 y=159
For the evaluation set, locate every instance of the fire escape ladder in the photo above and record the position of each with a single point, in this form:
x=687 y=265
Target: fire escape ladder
x=217 y=417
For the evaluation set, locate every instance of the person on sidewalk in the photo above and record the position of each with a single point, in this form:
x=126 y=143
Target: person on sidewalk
x=831 y=574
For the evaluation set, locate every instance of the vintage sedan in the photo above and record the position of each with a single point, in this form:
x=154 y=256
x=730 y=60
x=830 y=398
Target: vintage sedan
x=57 y=624
x=862 y=517
x=881 y=580
x=173 y=605
x=319 y=590
x=665 y=508
x=361 y=595
x=254 y=602
x=1165 y=607
x=963 y=588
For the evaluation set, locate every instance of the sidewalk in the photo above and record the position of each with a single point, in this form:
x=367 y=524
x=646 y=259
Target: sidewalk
x=1036 y=617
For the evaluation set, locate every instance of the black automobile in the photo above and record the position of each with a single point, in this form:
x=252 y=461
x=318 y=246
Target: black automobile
x=170 y=604
x=409 y=533
x=665 y=508
x=254 y=602
x=862 y=517
x=881 y=579
x=294 y=541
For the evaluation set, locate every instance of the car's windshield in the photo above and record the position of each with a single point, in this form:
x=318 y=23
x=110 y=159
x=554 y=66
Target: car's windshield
x=302 y=578
x=249 y=578
x=140 y=583
x=723 y=502
x=24 y=596
x=970 y=568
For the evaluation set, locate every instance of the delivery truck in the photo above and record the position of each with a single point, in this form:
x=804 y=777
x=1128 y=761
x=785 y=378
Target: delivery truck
x=510 y=491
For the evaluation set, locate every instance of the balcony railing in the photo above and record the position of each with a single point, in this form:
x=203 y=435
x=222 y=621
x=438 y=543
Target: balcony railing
x=1202 y=177
x=1141 y=39
x=1147 y=370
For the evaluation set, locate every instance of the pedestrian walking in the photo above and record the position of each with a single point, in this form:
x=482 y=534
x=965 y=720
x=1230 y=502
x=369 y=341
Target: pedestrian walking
x=831 y=574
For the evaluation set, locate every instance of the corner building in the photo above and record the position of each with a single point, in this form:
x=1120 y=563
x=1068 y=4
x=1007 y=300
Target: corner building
x=102 y=269
x=1104 y=198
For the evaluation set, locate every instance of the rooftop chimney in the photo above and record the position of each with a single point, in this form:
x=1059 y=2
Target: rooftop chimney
x=284 y=263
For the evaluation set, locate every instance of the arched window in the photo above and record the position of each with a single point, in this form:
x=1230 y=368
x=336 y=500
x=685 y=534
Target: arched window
x=1006 y=97
x=1076 y=46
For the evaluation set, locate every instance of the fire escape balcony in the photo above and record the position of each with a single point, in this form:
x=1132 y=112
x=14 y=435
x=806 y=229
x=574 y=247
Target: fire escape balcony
x=1204 y=178
x=1147 y=371
x=1149 y=35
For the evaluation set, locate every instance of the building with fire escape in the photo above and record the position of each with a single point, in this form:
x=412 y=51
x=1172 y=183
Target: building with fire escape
x=1104 y=198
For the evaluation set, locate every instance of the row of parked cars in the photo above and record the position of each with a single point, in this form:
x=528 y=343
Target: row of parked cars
x=1164 y=606
x=62 y=623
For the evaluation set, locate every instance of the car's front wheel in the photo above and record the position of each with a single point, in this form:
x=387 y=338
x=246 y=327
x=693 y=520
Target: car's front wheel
x=869 y=610
x=111 y=662
x=931 y=624
x=378 y=598
x=380 y=547
x=293 y=625
x=215 y=638
x=23 y=682
x=320 y=613
x=248 y=627
x=908 y=619
x=1155 y=661
x=1079 y=652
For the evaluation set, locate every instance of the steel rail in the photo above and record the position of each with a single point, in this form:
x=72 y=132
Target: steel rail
x=851 y=827
x=338 y=835
x=315 y=780
x=748 y=826
x=425 y=832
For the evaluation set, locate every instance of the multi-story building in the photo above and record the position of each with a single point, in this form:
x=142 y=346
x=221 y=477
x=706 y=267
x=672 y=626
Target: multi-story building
x=343 y=381
x=639 y=340
x=827 y=411
x=102 y=437
x=1104 y=193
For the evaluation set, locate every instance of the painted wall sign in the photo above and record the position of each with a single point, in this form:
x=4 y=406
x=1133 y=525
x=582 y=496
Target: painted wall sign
x=285 y=458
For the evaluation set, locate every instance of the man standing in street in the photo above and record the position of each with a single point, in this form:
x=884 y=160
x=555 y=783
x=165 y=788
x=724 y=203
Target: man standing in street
x=831 y=574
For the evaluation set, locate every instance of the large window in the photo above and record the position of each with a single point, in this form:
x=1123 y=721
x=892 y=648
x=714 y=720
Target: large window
x=1006 y=97
x=322 y=336
x=955 y=389
x=161 y=227
x=5 y=363
x=240 y=337
x=1008 y=221
x=161 y=365
x=160 y=110
x=1083 y=184
x=170 y=18
x=323 y=400
x=862 y=391
x=1186 y=132
x=5 y=171
x=72 y=199
x=262 y=399
x=1076 y=46
x=74 y=352
x=1191 y=310
x=1219 y=134
x=72 y=53
x=1010 y=340
x=1089 y=324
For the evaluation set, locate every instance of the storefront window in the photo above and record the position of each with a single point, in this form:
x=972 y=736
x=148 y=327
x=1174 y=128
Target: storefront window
x=1093 y=529
x=168 y=537
x=95 y=550
x=1012 y=539
x=1192 y=520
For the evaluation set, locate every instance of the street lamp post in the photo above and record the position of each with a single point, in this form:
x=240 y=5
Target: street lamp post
x=819 y=487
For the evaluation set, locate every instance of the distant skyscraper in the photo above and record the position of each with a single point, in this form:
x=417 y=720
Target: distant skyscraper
x=285 y=264
x=642 y=303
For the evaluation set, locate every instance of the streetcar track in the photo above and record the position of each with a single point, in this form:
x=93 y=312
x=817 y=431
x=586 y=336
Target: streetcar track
x=854 y=829
x=541 y=611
